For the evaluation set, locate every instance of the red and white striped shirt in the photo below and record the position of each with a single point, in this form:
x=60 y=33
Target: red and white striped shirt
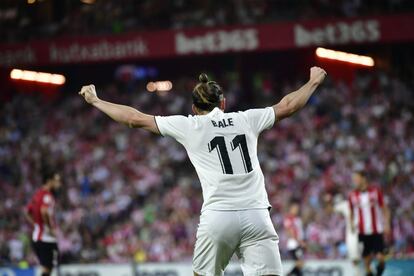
x=293 y=224
x=42 y=199
x=366 y=207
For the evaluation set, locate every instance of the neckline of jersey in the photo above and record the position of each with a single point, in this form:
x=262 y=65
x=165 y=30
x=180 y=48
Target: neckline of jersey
x=214 y=111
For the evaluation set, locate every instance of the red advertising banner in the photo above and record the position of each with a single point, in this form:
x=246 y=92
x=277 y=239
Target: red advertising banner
x=158 y=44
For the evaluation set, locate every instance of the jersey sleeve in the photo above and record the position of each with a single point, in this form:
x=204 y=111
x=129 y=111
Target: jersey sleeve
x=174 y=126
x=260 y=119
x=47 y=201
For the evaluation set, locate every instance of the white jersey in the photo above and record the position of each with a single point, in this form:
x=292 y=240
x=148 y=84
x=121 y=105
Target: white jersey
x=223 y=149
x=351 y=237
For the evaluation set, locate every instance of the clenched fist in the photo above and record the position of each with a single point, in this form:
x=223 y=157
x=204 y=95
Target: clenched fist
x=317 y=75
x=88 y=92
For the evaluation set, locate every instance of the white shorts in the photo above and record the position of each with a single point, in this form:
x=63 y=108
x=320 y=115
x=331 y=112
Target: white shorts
x=248 y=233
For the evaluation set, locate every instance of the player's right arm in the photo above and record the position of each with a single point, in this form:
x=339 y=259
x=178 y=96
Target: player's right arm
x=120 y=113
x=296 y=100
x=386 y=213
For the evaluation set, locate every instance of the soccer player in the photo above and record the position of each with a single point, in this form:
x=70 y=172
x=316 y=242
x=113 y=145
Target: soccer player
x=41 y=215
x=370 y=217
x=223 y=149
x=295 y=243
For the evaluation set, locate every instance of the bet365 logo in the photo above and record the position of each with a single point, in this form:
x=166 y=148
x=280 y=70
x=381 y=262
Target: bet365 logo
x=217 y=41
x=338 y=33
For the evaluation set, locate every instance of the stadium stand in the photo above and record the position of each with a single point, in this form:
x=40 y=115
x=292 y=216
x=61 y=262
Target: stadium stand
x=46 y=19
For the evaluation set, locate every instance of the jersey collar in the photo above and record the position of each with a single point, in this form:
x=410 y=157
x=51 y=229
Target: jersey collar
x=214 y=112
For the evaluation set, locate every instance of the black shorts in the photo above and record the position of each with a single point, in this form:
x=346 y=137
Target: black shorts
x=47 y=253
x=296 y=253
x=372 y=244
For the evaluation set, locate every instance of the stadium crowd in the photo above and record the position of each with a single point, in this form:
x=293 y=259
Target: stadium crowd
x=128 y=194
x=52 y=18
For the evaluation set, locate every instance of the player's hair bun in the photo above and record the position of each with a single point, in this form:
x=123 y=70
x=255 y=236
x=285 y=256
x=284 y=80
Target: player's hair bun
x=203 y=78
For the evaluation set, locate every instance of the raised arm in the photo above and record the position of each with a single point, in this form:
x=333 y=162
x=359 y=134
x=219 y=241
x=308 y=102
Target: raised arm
x=120 y=113
x=296 y=100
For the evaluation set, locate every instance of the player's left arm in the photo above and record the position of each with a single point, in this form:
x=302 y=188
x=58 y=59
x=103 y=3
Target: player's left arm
x=385 y=211
x=387 y=218
x=120 y=113
x=351 y=215
x=296 y=100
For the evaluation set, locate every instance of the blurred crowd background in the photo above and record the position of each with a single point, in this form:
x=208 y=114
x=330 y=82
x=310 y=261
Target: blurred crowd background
x=128 y=194
x=45 y=19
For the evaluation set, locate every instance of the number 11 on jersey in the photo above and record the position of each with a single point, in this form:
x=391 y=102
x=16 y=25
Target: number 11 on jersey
x=238 y=142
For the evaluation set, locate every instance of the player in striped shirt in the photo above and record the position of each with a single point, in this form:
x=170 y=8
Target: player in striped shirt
x=295 y=243
x=370 y=218
x=40 y=213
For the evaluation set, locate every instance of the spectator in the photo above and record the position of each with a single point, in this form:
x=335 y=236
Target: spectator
x=48 y=19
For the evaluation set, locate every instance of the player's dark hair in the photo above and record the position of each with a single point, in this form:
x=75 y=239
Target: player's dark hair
x=207 y=94
x=360 y=168
x=48 y=172
x=294 y=201
x=361 y=171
